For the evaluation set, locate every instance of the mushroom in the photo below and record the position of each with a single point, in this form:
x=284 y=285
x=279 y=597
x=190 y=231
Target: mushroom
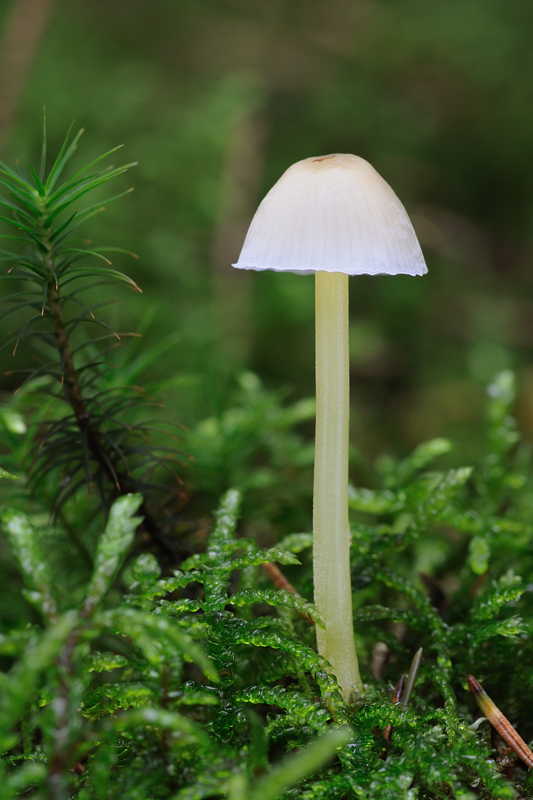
x=334 y=216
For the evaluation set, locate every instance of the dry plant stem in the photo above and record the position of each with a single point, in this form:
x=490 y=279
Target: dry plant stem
x=411 y=678
x=500 y=722
x=24 y=28
x=396 y=698
x=278 y=578
x=240 y=184
x=331 y=533
x=280 y=582
x=403 y=690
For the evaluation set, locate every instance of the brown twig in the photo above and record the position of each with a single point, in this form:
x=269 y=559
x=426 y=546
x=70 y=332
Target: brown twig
x=403 y=690
x=278 y=578
x=396 y=698
x=24 y=28
x=280 y=582
x=239 y=187
x=500 y=722
x=413 y=675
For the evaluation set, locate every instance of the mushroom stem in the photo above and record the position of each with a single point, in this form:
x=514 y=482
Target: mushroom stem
x=331 y=539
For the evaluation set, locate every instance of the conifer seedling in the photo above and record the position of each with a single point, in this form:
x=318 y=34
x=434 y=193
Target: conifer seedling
x=335 y=216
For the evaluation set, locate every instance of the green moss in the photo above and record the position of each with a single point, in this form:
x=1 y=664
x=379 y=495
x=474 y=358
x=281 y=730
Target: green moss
x=155 y=659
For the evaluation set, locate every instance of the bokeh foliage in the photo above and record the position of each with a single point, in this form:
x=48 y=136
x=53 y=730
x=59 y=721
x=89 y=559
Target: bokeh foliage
x=215 y=99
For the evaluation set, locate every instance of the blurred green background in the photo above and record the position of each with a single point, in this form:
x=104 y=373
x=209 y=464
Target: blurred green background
x=215 y=99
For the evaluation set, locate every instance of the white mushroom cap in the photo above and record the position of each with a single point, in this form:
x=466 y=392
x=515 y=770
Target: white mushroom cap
x=332 y=213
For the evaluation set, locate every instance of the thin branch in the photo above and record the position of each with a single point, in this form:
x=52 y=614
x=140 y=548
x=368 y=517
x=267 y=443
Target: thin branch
x=24 y=28
x=280 y=582
x=500 y=722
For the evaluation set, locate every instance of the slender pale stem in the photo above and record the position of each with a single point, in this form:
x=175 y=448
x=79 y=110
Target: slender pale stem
x=331 y=547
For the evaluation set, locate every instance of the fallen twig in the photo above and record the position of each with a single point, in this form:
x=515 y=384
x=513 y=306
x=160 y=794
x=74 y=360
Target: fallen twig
x=280 y=582
x=403 y=690
x=500 y=722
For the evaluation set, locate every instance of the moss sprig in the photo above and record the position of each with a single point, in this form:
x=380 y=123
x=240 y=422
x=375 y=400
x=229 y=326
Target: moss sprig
x=101 y=439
